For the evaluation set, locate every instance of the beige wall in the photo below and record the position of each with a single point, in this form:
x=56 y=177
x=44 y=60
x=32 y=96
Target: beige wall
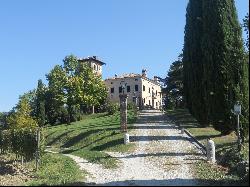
x=147 y=95
x=132 y=81
x=115 y=83
x=97 y=68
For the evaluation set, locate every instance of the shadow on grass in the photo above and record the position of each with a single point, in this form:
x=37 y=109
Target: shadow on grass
x=96 y=125
x=79 y=137
x=225 y=146
x=204 y=137
x=96 y=141
x=58 y=137
x=73 y=141
x=107 y=145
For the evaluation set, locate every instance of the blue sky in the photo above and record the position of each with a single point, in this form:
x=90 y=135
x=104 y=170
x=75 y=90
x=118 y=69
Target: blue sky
x=128 y=35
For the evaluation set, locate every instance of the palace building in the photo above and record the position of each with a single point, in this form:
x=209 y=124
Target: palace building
x=141 y=90
x=144 y=92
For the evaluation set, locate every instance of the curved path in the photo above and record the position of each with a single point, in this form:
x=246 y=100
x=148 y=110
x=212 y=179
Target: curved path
x=163 y=156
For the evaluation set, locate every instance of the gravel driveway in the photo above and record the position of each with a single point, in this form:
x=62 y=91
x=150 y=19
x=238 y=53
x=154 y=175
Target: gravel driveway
x=163 y=156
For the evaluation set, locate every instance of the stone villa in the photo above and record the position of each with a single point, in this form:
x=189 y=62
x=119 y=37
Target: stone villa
x=141 y=90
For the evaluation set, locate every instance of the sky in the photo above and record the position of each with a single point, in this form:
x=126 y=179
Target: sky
x=127 y=35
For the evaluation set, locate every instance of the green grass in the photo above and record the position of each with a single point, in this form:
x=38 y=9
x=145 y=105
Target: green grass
x=90 y=137
x=226 y=146
x=57 y=169
x=212 y=175
x=185 y=120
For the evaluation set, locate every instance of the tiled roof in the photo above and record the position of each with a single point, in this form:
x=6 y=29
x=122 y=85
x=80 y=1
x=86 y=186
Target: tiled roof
x=91 y=58
x=132 y=75
x=127 y=75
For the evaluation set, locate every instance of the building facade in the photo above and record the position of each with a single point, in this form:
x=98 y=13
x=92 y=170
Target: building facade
x=141 y=90
x=94 y=63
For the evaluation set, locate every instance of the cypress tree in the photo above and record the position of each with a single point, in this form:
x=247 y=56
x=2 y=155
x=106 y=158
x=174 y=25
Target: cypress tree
x=225 y=70
x=215 y=69
x=193 y=64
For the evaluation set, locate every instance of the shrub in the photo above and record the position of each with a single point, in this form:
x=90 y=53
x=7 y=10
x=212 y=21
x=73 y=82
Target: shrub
x=131 y=106
x=22 y=142
x=5 y=141
x=112 y=108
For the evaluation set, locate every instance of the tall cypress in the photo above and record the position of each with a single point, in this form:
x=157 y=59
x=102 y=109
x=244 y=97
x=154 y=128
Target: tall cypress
x=193 y=64
x=215 y=71
x=225 y=71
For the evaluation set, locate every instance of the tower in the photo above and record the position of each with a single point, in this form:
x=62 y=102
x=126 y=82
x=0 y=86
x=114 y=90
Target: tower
x=94 y=63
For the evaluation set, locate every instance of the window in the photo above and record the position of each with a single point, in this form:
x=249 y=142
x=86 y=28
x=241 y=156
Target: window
x=128 y=88
x=143 y=88
x=156 y=93
x=120 y=89
x=136 y=87
x=136 y=79
x=112 y=90
x=148 y=90
x=94 y=67
x=111 y=83
x=143 y=100
x=156 y=103
x=149 y=102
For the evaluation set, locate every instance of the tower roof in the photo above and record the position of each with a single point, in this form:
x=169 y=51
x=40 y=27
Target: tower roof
x=93 y=58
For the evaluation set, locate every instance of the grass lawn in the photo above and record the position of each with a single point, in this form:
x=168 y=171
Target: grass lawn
x=185 y=120
x=223 y=144
x=90 y=137
x=57 y=169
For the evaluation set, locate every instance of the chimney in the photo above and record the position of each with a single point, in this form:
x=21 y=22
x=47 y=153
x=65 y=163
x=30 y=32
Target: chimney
x=144 y=72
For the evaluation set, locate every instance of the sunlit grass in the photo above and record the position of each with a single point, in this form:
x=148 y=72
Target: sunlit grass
x=91 y=137
x=57 y=169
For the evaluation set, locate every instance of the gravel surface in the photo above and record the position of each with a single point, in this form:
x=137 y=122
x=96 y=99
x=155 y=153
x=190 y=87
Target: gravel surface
x=163 y=157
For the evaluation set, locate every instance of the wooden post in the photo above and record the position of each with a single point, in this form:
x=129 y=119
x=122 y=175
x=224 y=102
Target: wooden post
x=37 y=150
